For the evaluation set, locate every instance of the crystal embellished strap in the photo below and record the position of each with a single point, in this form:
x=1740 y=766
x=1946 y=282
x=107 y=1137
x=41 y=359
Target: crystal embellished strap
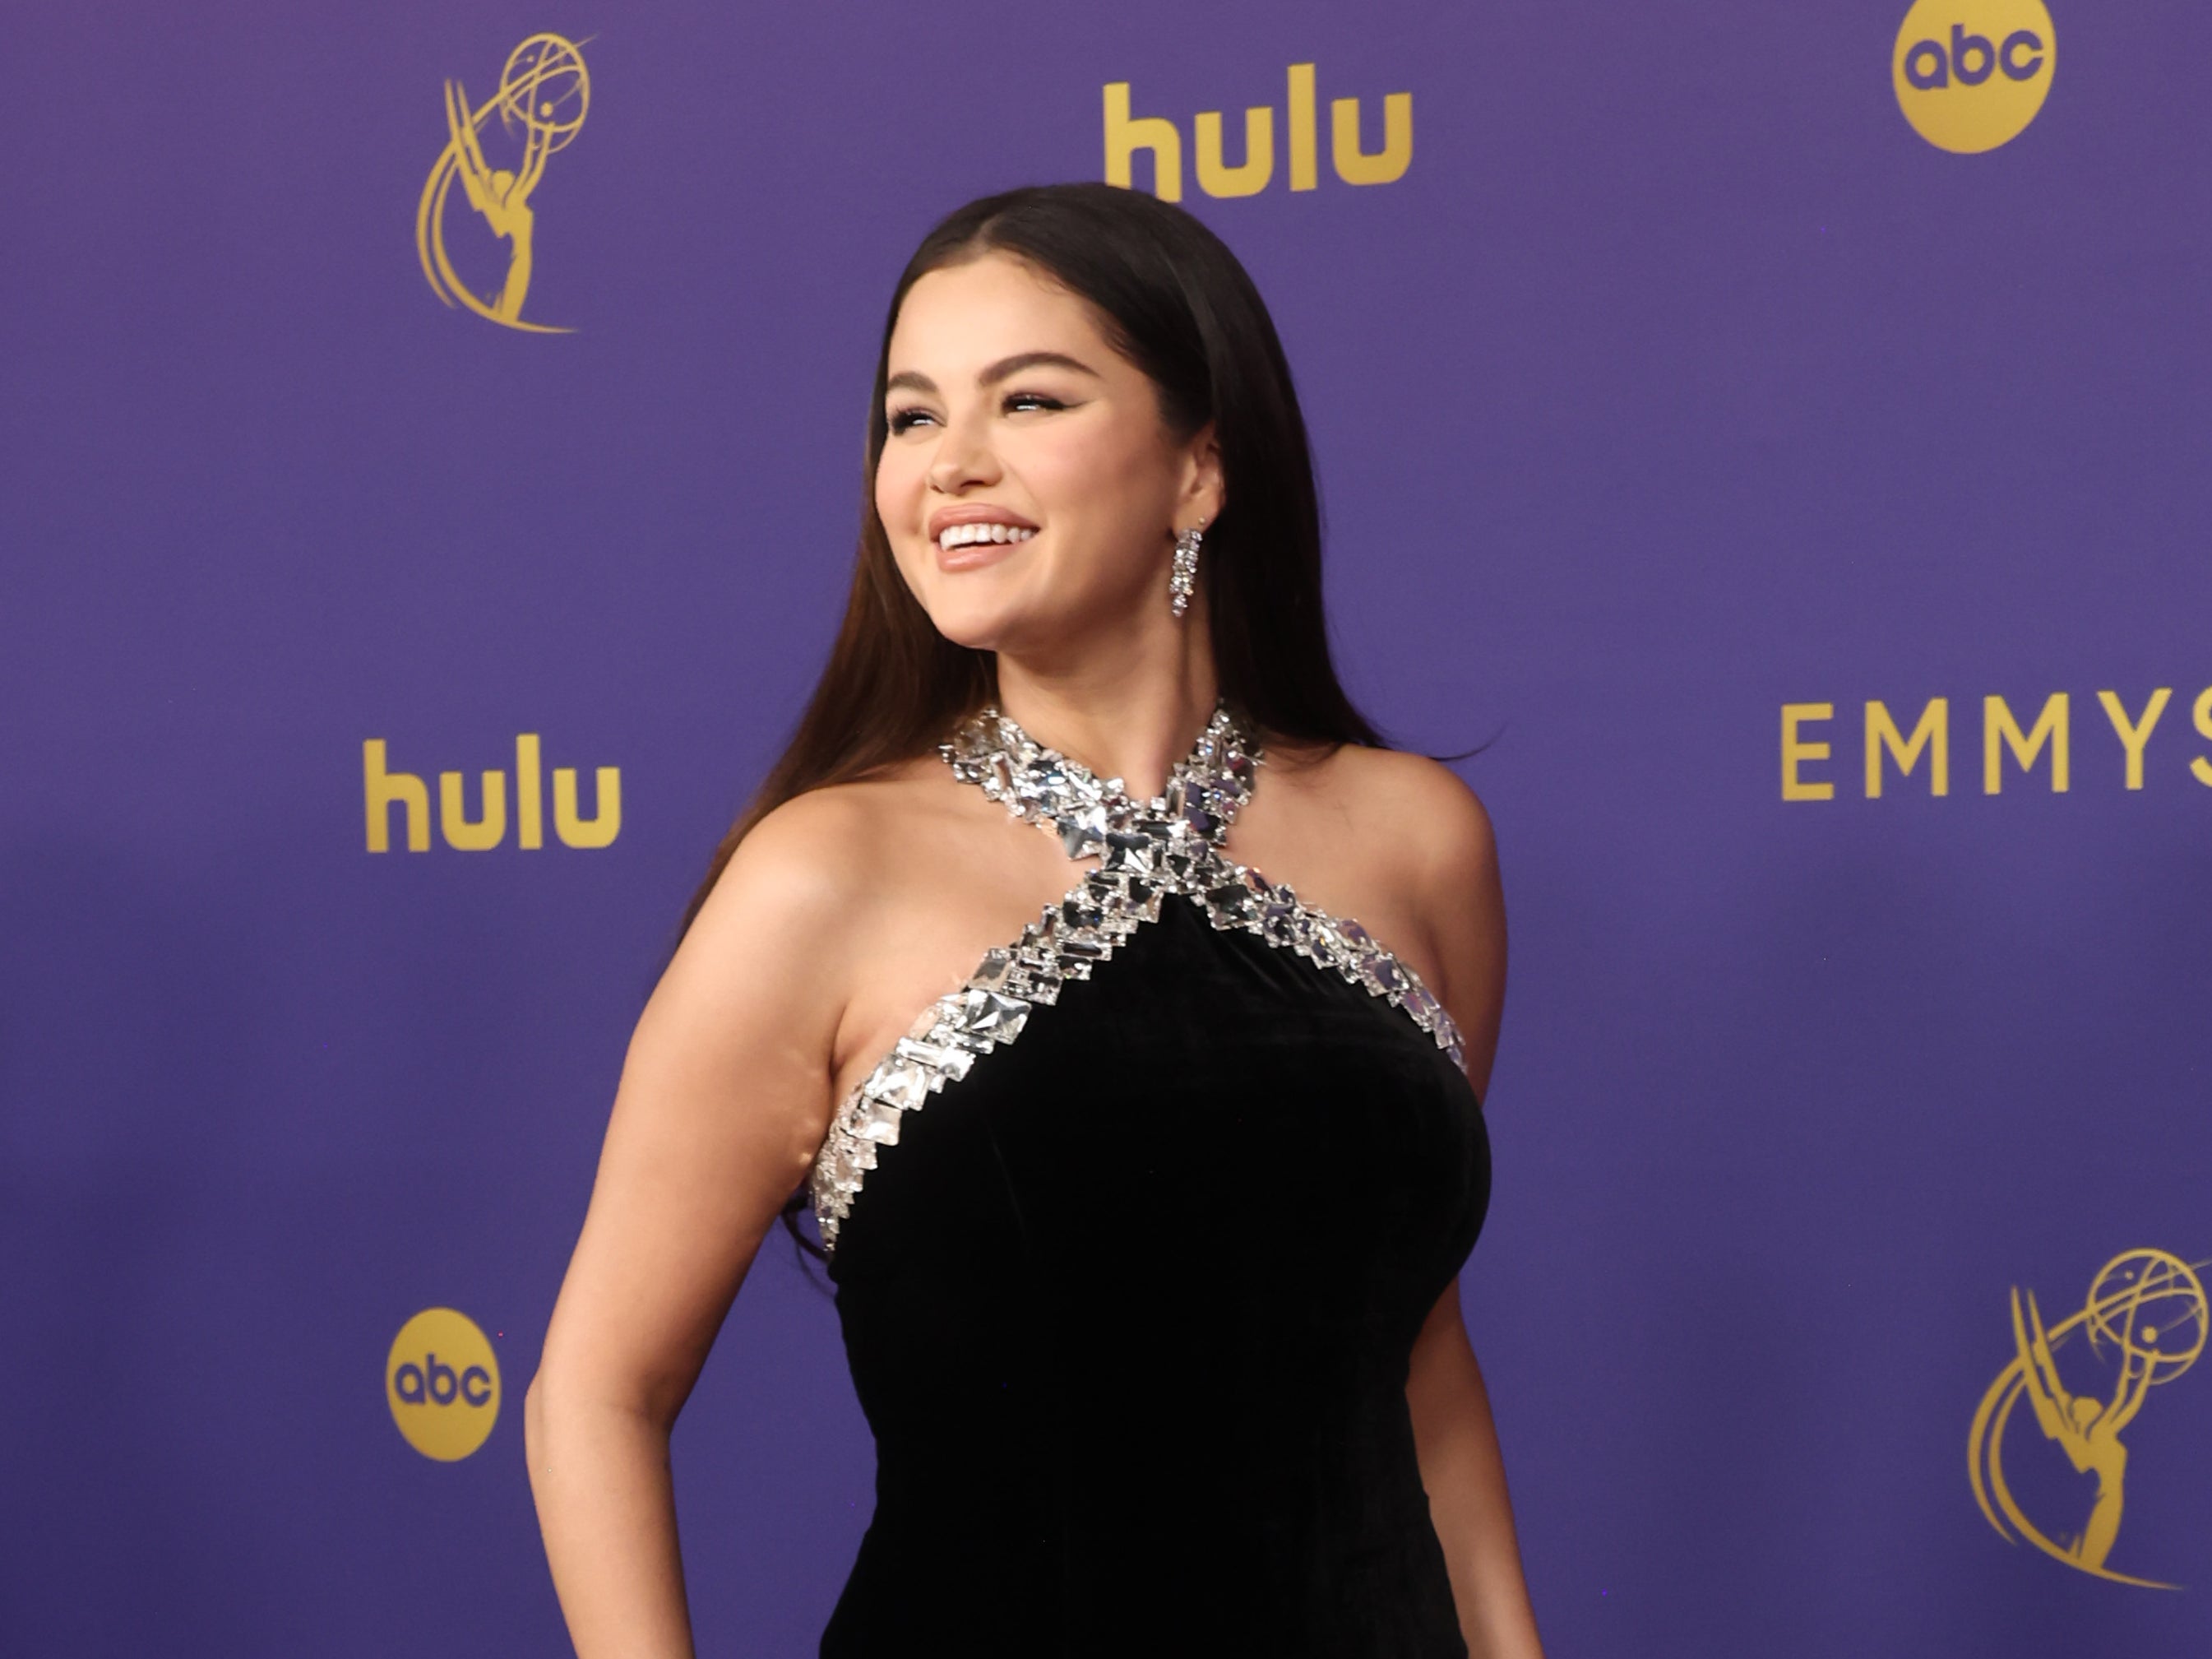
x=1171 y=844
x=1044 y=786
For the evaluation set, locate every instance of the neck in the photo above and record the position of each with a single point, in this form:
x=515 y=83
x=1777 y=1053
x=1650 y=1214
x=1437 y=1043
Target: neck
x=1131 y=714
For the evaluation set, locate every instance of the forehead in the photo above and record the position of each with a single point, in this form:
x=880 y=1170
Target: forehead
x=971 y=314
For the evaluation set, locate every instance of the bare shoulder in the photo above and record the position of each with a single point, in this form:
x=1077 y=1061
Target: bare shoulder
x=1400 y=842
x=809 y=873
x=1416 y=810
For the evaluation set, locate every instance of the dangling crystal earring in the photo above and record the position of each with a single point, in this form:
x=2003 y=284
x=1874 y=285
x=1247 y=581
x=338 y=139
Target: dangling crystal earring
x=1182 y=577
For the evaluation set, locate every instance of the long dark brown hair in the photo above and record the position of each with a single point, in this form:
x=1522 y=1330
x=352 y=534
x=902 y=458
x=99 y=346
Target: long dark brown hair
x=1173 y=301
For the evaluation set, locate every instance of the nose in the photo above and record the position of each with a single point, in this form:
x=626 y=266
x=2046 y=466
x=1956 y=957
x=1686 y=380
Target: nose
x=964 y=460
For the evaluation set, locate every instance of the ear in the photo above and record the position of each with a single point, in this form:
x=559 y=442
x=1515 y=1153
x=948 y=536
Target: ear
x=1203 y=494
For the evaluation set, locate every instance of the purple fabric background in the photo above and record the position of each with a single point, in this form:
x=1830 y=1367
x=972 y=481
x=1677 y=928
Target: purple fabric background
x=1676 y=380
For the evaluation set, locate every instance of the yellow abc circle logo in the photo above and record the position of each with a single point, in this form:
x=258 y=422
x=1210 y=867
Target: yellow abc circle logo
x=442 y=1380
x=1972 y=74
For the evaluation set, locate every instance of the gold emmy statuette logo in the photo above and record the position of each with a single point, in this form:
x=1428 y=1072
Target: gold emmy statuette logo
x=2145 y=1318
x=441 y=1380
x=1970 y=75
x=544 y=93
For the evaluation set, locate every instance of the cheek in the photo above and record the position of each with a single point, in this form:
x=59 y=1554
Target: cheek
x=898 y=491
x=900 y=486
x=1106 y=472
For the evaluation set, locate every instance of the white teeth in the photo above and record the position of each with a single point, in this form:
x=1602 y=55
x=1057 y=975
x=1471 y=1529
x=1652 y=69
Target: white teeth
x=966 y=535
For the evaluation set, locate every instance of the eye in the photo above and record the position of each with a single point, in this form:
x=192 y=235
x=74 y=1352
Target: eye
x=1016 y=401
x=902 y=421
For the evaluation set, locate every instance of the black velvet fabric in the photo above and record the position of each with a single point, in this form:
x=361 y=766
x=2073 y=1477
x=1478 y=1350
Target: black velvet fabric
x=1129 y=1310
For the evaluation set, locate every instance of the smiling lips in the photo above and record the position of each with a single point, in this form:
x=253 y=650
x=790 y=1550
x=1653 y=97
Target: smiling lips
x=967 y=538
x=966 y=535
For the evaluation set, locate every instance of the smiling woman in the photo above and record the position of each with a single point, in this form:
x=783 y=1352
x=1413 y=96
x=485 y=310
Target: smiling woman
x=1145 y=1179
x=1141 y=287
x=1009 y=444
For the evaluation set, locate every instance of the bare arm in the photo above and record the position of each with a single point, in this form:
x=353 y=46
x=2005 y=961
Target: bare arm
x=1465 y=1475
x=1462 y=1467
x=724 y=1097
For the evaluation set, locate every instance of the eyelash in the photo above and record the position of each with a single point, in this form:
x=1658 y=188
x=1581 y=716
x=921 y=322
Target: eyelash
x=902 y=421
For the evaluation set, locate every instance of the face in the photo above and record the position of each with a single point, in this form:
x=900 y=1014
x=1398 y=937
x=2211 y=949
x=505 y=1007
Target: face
x=1029 y=487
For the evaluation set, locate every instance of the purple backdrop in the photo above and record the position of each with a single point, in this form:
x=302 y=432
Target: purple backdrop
x=1676 y=380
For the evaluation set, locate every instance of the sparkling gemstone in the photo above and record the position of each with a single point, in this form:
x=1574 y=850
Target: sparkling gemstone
x=1081 y=831
x=997 y=1018
x=947 y=1062
x=1136 y=854
x=877 y=1121
x=901 y=1082
x=1228 y=905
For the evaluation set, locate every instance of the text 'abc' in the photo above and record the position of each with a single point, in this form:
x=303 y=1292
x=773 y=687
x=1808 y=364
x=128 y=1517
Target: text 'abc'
x=442 y=1381
x=1969 y=74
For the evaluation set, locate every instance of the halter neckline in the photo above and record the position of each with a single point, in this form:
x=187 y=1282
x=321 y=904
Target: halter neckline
x=1204 y=792
x=1149 y=852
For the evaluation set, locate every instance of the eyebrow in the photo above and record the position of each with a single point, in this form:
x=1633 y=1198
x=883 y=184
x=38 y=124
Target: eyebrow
x=914 y=381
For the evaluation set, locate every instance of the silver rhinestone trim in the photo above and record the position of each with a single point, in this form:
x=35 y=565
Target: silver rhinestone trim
x=1170 y=845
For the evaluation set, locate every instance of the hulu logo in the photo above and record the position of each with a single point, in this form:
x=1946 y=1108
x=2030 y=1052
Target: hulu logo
x=383 y=789
x=1126 y=135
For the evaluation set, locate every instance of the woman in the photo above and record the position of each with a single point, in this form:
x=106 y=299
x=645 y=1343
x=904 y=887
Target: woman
x=1144 y=1182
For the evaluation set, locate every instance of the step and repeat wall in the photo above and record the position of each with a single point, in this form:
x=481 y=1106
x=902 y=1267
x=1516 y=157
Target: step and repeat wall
x=1776 y=437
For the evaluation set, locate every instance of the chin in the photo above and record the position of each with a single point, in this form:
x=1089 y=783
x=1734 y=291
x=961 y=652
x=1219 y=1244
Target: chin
x=977 y=622
x=983 y=612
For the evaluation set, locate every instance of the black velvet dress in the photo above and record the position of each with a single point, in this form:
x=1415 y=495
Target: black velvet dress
x=1132 y=1238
